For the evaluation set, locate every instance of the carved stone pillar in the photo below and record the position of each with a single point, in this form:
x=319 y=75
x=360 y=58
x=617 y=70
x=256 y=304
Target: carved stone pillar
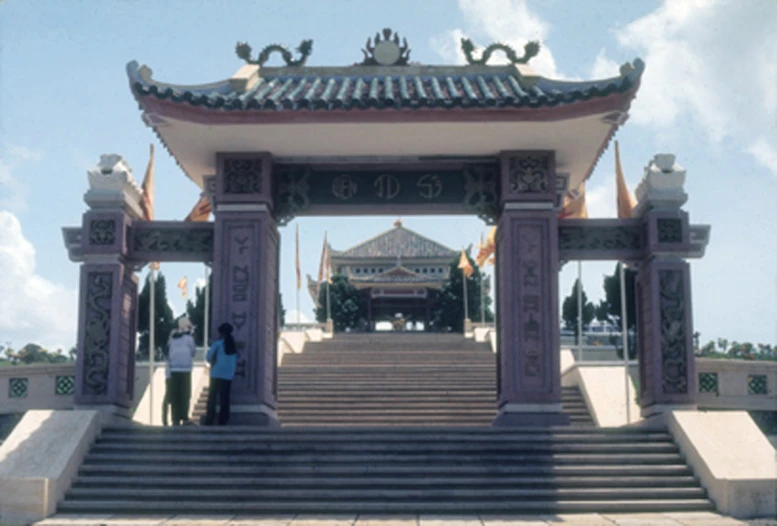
x=527 y=264
x=664 y=316
x=245 y=281
x=107 y=321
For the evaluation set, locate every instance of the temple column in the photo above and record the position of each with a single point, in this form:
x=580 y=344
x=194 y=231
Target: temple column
x=663 y=286
x=529 y=383
x=245 y=281
x=107 y=304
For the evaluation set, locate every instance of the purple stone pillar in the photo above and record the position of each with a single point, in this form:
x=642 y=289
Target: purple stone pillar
x=245 y=282
x=107 y=324
x=665 y=332
x=529 y=381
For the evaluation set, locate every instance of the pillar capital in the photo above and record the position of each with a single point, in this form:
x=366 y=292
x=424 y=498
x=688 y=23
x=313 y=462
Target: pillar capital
x=528 y=176
x=243 y=179
x=662 y=185
x=112 y=187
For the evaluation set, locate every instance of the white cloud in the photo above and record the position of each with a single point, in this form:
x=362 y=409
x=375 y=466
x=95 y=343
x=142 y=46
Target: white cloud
x=507 y=21
x=600 y=201
x=32 y=309
x=713 y=62
x=604 y=67
x=13 y=192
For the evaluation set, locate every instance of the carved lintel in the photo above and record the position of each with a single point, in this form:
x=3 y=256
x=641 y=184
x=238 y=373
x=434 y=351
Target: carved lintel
x=293 y=192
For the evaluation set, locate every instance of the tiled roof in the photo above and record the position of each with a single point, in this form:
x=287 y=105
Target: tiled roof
x=288 y=91
x=399 y=242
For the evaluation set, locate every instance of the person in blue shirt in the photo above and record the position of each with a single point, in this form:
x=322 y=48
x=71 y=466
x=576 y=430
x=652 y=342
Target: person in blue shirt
x=222 y=357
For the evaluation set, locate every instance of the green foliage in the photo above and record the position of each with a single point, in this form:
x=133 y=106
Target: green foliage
x=569 y=312
x=349 y=311
x=196 y=311
x=737 y=351
x=447 y=313
x=610 y=306
x=163 y=322
x=33 y=353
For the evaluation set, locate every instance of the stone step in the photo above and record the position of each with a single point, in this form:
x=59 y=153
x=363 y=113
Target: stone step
x=384 y=448
x=151 y=496
x=400 y=480
x=491 y=506
x=390 y=436
x=296 y=458
x=194 y=471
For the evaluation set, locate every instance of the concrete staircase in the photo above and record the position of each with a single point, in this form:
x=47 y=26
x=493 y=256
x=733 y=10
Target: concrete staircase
x=404 y=392
x=395 y=379
x=400 y=470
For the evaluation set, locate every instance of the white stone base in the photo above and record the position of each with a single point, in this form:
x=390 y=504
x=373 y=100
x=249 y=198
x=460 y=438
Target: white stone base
x=734 y=461
x=40 y=459
x=603 y=387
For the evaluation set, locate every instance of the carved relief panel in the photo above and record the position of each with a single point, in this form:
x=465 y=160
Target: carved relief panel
x=528 y=176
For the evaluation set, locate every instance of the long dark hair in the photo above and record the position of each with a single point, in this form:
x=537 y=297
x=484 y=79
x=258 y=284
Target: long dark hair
x=225 y=329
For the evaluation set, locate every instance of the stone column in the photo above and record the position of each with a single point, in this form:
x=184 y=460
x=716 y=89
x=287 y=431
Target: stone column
x=245 y=281
x=107 y=320
x=529 y=383
x=663 y=285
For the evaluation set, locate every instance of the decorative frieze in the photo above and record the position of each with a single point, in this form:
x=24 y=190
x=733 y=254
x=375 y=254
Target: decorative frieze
x=102 y=232
x=670 y=230
x=172 y=242
x=293 y=194
x=242 y=175
x=97 y=333
x=481 y=191
x=599 y=238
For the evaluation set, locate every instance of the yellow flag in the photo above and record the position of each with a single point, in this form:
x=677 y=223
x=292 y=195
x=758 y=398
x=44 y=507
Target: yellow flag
x=182 y=284
x=486 y=249
x=575 y=207
x=299 y=273
x=322 y=265
x=626 y=201
x=465 y=265
x=201 y=211
x=148 y=189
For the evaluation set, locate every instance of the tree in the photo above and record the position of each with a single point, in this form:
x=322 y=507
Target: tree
x=34 y=353
x=569 y=312
x=612 y=300
x=163 y=323
x=348 y=309
x=196 y=311
x=448 y=310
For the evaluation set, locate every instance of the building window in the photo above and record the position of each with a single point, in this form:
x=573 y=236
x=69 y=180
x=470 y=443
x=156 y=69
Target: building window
x=65 y=385
x=424 y=270
x=439 y=269
x=708 y=383
x=17 y=388
x=756 y=384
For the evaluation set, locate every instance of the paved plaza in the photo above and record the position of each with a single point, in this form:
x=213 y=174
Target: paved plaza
x=589 y=519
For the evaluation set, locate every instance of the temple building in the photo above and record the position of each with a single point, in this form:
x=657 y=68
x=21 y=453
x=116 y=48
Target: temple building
x=398 y=273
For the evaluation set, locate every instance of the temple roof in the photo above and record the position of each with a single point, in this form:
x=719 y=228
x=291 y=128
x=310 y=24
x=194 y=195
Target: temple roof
x=323 y=89
x=396 y=243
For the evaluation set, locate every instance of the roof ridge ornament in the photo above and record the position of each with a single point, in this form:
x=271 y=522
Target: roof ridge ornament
x=386 y=51
x=530 y=50
x=305 y=48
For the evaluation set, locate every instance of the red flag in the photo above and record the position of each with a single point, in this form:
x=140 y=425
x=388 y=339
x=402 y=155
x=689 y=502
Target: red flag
x=201 y=211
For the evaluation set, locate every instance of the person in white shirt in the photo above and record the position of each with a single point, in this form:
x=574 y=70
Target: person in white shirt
x=180 y=358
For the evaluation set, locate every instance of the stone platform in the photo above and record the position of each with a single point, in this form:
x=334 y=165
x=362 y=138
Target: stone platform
x=588 y=519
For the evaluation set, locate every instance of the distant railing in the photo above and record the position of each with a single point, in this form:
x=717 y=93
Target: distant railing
x=736 y=384
x=304 y=326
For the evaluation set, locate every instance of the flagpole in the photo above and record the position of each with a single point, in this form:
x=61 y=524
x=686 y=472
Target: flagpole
x=580 y=310
x=205 y=329
x=466 y=308
x=151 y=331
x=625 y=335
x=482 y=301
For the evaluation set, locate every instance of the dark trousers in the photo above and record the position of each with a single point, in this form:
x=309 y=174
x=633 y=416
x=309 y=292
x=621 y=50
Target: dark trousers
x=219 y=391
x=180 y=394
x=166 y=401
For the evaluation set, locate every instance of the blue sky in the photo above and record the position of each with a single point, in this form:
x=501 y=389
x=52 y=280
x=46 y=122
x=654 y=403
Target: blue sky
x=709 y=95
